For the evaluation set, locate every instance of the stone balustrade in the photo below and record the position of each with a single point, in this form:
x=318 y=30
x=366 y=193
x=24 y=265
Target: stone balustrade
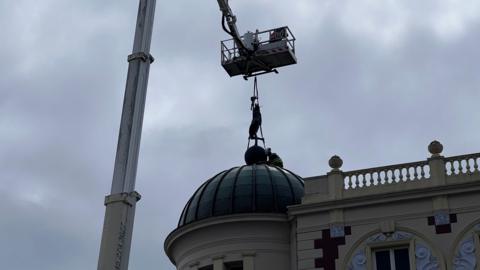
x=433 y=172
x=394 y=174
x=464 y=164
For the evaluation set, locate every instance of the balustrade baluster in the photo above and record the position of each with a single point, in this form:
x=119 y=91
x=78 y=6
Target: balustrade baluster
x=355 y=181
x=475 y=165
x=380 y=178
x=467 y=168
x=408 y=174
x=422 y=172
x=460 y=167
x=401 y=175
x=415 y=173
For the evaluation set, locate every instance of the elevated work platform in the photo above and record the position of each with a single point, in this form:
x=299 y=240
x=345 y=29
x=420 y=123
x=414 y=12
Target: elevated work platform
x=272 y=49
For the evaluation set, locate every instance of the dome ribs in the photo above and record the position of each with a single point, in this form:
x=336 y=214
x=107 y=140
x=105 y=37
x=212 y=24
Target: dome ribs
x=274 y=192
x=187 y=213
x=184 y=213
x=288 y=182
x=254 y=188
x=212 y=211
x=247 y=189
x=300 y=181
x=232 y=209
x=200 y=196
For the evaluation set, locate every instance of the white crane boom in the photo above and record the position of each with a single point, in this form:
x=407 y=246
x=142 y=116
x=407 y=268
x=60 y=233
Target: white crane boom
x=120 y=204
x=231 y=20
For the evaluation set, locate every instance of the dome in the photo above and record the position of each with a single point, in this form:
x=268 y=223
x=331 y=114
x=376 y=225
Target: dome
x=256 y=188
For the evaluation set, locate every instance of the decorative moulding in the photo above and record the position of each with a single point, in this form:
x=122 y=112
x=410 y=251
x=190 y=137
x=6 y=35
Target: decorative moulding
x=465 y=257
x=396 y=236
x=359 y=261
x=423 y=259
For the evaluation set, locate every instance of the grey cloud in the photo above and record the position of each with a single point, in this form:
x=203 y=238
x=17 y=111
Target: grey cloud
x=373 y=103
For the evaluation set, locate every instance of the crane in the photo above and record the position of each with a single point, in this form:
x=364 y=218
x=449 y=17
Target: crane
x=254 y=53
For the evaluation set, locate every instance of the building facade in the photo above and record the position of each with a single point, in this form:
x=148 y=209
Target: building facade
x=419 y=215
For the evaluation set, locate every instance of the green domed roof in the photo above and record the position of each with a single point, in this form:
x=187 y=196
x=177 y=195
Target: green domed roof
x=257 y=188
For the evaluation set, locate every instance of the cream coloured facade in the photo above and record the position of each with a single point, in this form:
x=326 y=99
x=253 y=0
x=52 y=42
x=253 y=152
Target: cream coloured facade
x=419 y=215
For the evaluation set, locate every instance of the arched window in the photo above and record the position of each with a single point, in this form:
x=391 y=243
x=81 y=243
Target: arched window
x=399 y=250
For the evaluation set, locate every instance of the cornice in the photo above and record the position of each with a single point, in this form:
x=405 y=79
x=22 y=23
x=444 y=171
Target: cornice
x=237 y=218
x=380 y=198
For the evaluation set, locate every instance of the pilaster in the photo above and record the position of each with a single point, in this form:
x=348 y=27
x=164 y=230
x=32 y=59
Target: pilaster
x=218 y=263
x=437 y=164
x=335 y=178
x=249 y=261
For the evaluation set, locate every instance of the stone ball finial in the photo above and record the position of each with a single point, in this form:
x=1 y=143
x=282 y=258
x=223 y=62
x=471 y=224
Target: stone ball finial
x=335 y=162
x=255 y=155
x=435 y=148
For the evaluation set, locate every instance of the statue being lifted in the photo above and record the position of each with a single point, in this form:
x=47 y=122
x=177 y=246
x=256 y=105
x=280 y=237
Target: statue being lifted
x=257 y=154
x=256 y=121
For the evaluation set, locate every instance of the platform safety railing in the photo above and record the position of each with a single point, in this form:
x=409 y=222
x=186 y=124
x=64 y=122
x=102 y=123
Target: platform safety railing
x=230 y=51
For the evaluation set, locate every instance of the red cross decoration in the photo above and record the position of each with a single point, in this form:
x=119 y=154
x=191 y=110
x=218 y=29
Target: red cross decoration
x=442 y=222
x=329 y=245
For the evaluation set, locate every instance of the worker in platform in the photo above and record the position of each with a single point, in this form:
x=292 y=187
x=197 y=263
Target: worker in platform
x=274 y=159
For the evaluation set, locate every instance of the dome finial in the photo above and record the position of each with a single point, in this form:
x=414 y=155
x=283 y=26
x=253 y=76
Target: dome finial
x=255 y=155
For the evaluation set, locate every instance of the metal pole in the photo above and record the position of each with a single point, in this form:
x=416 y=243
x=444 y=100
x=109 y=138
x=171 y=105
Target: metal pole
x=120 y=204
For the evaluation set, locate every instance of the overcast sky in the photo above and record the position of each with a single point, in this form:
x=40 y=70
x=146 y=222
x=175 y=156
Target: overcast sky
x=375 y=82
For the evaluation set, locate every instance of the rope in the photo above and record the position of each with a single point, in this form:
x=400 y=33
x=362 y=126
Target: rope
x=255 y=89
